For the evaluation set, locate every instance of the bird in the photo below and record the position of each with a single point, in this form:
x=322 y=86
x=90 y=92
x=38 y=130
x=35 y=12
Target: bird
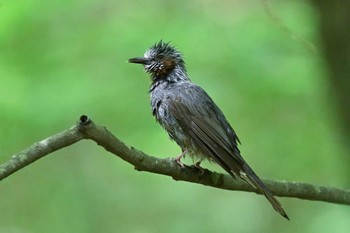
x=192 y=119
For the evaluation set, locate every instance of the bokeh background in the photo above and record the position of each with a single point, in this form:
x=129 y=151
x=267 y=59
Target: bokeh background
x=266 y=69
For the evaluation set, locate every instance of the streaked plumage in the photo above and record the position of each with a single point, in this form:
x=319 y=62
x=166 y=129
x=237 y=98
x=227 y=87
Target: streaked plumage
x=191 y=117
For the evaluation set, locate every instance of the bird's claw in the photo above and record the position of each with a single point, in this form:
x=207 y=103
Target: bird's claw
x=198 y=166
x=178 y=159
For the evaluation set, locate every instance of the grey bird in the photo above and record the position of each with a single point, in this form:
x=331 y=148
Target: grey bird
x=192 y=119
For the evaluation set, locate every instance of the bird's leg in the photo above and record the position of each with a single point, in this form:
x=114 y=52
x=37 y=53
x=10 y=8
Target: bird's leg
x=198 y=166
x=178 y=159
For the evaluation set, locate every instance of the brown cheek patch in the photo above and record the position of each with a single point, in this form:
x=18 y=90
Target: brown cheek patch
x=168 y=64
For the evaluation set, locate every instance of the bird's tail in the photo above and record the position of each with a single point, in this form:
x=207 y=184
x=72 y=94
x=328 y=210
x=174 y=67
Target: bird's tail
x=249 y=176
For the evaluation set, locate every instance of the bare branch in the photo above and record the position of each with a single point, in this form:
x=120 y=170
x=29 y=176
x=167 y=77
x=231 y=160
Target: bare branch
x=86 y=129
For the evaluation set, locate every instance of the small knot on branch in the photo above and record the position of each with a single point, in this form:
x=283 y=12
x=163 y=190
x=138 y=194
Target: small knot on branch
x=84 y=120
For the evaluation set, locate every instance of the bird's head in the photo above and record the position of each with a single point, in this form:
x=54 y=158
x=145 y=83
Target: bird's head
x=161 y=60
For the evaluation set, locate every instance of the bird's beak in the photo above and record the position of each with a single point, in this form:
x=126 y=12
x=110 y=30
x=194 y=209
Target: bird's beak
x=138 y=60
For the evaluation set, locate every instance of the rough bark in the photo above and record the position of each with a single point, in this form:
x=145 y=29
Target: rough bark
x=86 y=129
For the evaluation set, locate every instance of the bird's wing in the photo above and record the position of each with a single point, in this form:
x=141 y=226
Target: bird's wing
x=205 y=124
x=202 y=120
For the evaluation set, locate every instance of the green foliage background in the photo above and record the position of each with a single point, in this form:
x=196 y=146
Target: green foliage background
x=61 y=59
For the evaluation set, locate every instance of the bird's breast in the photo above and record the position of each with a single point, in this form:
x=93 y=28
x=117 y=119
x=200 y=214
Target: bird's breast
x=161 y=110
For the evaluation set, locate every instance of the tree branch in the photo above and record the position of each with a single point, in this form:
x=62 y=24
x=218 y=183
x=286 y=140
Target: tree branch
x=86 y=129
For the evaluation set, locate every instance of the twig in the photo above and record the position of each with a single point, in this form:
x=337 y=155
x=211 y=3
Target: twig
x=86 y=129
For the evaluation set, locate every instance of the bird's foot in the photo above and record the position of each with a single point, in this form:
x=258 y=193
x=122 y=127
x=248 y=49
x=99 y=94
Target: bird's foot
x=178 y=159
x=181 y=164
x=197 y=165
